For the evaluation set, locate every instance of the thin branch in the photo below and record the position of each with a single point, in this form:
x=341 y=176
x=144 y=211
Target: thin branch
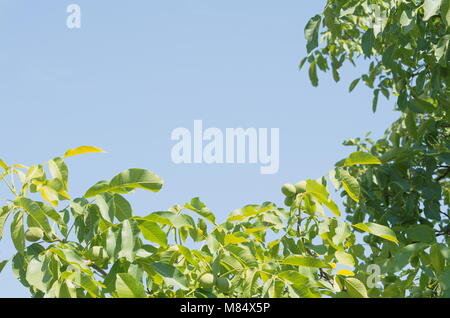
x=443 y=175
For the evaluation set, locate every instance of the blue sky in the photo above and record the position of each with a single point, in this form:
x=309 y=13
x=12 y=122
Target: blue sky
x=138 y=69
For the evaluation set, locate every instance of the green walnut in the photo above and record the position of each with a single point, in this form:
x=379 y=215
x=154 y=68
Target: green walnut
x=289 y=201
x=98 y=254
x=49 y=239
x=288 y=190
x=223 y=284
x=34 y=234
x=207 y=280
x=300 y=187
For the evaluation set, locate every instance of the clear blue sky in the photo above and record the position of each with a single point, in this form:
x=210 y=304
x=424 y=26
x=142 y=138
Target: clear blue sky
x=138 y=69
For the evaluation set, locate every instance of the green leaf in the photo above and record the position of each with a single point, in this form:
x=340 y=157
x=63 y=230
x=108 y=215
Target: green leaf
x=442 y=52
x=294 y=278
x=361 y=158
x=4 y=214
x=171 y=275
x=35 y=212
x=444 y=279
x=431 y=8
x=243 y=254
x=317 y=189
x=53 y=215
x=342 y=232
x=353 y=84
x=307 y=261
x=128 y=287
x=421 y=233
x=128 y=240
x=126 y=182
x=18 y=232
x=376 y=94
x=58 y=169
x=313 y=74
x=83 y=281
x=368 y=40
x=82 y=150
x=378 y=230
x=437 y=259
x=200 y=208
x=355 y=288
x=445 y=12
x=302 y=63
x=38 y=275
x=351 y=185
x=420 y=106
x=410 y=123
x=71 y=257
x=312 y=33
x=152 y=232
x=2 y=265
x=321 y=193
x=113 y=205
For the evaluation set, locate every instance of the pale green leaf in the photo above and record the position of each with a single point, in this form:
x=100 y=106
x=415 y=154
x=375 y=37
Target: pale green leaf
x=307 y=261
x=171 y=275
x=344 y=258
x=361 y=158
x=431 y=8
x=355 y=288
x=152 y=232
x=127 y=181
x=18 y=232
x=128 y=287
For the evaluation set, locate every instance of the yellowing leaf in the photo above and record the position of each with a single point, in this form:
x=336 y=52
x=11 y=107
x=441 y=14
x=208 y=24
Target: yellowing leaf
x=82 y=150
x=3 y=165
x=49 y=195
x=320 y=192
x=351 y=185
x=378 y=230
x=233 y=239
x=257 y=229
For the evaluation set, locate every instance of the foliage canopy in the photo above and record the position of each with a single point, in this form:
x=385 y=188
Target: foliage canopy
x=392 y=241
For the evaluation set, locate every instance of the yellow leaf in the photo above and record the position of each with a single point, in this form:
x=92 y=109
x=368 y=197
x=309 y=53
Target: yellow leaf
x=333 y=265
x=82 y=150
x=64 y=194
x=3 y=165
x=345 y=272
x=20 y=166
x=232 y=239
